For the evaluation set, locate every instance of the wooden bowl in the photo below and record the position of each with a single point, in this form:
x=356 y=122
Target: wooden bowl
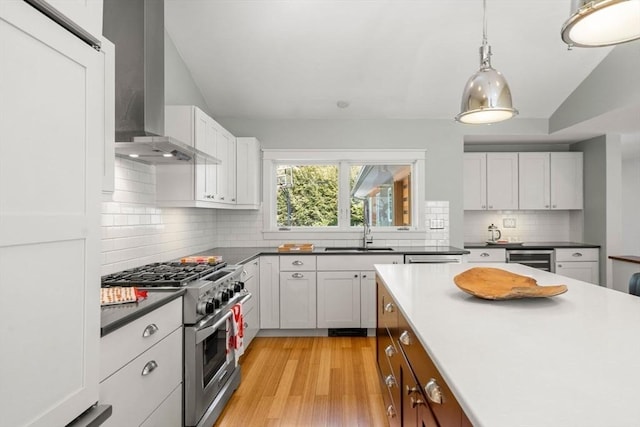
x=498 y=284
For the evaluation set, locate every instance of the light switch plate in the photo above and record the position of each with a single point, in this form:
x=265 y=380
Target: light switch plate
x=509 y=223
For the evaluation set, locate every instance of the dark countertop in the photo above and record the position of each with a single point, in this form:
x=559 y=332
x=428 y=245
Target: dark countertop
x=628 y=258
x=246 y=254
x=116 y=316
x=530 y=245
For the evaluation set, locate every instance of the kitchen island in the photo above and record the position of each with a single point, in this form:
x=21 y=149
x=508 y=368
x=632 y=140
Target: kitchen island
x=570 y=360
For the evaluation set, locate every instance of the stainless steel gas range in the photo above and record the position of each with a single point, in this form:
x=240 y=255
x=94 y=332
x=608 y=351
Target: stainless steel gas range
x=211 y=373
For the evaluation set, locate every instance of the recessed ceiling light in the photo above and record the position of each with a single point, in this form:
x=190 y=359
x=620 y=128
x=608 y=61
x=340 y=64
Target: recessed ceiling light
x=134 y=155
x=167 y=155
x=342 y=104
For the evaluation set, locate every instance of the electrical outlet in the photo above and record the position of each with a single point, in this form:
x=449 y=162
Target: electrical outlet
x=436 y=224
x=509 y=223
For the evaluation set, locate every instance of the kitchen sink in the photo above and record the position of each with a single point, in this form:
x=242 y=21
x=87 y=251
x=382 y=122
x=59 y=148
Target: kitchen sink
x=360 y=249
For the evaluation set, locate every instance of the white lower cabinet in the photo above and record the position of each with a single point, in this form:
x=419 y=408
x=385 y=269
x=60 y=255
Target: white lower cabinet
x=141 y=369
x=580 y=264
x=347 y=289
x=269 y=292
x=298 y=300
x=251 y=309
x=486 y=255
x=338 y=299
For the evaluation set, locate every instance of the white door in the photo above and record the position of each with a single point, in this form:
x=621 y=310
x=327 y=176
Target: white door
x=533 y=184
x=566 y=180
x=298 y=300
x=51 y=130
x=475 y=181
x=502 y=181
x=338 y=299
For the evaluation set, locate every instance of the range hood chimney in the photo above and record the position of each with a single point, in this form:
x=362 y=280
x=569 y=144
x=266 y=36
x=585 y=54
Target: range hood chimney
x=136 y=27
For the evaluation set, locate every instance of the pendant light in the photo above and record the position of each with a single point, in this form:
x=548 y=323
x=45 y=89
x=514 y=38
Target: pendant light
x=486 y=97
x=596 y=23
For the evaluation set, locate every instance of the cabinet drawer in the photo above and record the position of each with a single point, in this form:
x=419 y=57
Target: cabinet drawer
x=297 y=263
x=126 y=343
x=487 y=255
x=577 y=254
x=135 y=391
x=169 y=413
x=251 y=325
x=356 y=262
x=448 y=412
x=251 y=269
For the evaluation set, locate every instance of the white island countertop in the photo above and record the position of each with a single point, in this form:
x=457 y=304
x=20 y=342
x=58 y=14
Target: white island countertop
x=572 y=360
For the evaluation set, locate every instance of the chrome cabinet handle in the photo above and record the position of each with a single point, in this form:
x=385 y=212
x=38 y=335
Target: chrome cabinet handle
x=390 y=381
x=391 y=411
x=390 y=351
x=150 y=330
x=411 y=390
x=297 y=275
x=434 y=392
x=297 y=262
x=149 y=367
x=405 y=338
x=576 y=254
x=389 y=308
x=364 y=276
x=484 y=254
x=416 y=402
x=246 y=325
x=355 y=276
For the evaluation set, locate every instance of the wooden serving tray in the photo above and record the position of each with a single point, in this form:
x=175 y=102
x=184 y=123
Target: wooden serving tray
x=296 y=247
x=497 y=284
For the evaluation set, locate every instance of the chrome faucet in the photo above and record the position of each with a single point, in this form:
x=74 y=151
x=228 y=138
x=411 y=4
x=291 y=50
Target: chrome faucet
x=367 y=238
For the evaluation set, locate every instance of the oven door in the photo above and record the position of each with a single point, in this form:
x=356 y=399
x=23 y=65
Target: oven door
x=208 y=364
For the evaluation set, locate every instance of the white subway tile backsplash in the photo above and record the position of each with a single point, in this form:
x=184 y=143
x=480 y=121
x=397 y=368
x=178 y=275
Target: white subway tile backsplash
x=531 y=226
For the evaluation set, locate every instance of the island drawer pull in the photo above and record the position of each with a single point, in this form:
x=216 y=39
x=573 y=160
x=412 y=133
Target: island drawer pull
x=434 y=392
x=416 y=402
x=149 y=367
x=390 y=351
x=390 y=381
x=297 y=275
x=484 y=254
x=150 y=330
x=389 y=308
x=577 y=254
x=391 y=411
x=297 y=262
x=405 y=338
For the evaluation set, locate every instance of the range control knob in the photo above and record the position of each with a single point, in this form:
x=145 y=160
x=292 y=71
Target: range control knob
x=224 y=296
x=205 y=307
x=238 y=286
x=216 y=303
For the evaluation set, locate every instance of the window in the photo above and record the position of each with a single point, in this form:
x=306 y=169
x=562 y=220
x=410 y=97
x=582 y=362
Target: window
x=329 y=190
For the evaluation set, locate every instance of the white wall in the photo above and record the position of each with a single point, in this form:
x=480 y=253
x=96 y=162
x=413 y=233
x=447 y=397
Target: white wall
x=631 y=195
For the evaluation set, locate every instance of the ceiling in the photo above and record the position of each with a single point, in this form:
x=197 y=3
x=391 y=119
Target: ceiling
x=385 y=58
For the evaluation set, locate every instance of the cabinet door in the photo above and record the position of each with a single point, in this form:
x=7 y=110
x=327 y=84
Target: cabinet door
x=566 y=181
x=585 y=271
x=205 y=135
x=475 y=181
x=502 y=181
x=298 y=300
x=51 y=127
x=533 y=185
x=368 y=299
x=269 y=292
x=338 y=299
x=248 y=172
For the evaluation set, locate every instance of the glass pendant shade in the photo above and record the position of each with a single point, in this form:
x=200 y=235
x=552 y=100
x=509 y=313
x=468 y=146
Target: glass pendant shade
x=596 y=23
x=486 y=97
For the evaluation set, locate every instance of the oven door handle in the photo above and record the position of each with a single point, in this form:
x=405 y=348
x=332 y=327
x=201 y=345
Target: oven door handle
x=204 y=333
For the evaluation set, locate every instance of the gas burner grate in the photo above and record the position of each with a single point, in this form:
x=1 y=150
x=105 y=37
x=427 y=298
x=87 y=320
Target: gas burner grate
x=160 y=274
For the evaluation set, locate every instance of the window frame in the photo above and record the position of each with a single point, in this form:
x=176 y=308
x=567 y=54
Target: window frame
x=343 y=159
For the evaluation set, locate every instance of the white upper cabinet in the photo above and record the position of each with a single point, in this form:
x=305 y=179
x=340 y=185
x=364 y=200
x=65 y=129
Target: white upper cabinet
x=475 y=181
x=490 y=181
x=550 y=180
x=52 y=133
x=566 y=181
x=202 y=183
x=248 y=173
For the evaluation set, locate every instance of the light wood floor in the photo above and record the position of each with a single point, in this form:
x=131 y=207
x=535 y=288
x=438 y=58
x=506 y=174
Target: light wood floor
x=314 y=381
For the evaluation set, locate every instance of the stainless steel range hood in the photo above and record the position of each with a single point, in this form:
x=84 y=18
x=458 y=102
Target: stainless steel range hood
x=136 y=27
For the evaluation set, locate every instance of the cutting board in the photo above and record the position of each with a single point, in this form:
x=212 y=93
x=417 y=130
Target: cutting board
x=498 y=284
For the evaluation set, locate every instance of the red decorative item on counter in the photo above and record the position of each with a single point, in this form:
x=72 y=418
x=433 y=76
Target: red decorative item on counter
x=121 y=295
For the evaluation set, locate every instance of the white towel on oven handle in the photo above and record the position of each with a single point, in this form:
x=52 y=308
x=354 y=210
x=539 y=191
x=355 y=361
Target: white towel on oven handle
x=236 y=342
